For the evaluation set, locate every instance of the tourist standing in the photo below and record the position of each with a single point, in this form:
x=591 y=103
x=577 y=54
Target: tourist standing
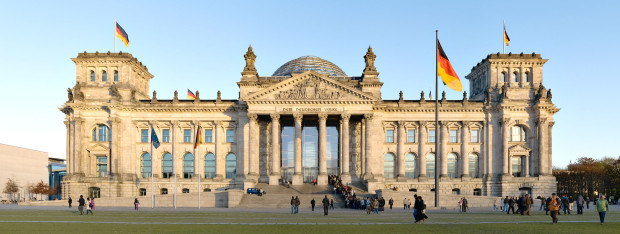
x=81 y=205
x=511 y=206
x=542 y=203
x=461 y=205
x=297 y=203
x=528 y=204
x=464 y=204
x=554 y=207
x=505 y=204
x=421 y=210
x=602 y=206
x=70 y=201
x=325 y=205
x=565 y=207
x=391 y=202
x=580 y=202
x=405 y=204
x=136 y=204
x=89 y=207
x=331 y=204
x=312 y=203
x=292 y=205
x=375 y=206
x=588 y=202
x=92 y=201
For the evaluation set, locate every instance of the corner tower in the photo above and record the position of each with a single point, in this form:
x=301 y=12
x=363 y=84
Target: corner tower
x=110 y=76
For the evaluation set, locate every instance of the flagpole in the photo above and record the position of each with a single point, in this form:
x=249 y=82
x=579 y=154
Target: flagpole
x=115 y=47
x=504 y=36
x=436 y=120
x=152 y=189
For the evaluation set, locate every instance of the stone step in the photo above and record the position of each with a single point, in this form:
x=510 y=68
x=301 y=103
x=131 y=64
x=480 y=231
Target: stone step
x=284 y=200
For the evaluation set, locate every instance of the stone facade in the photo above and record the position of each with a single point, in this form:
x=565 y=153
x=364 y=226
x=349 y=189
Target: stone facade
x=501 y=132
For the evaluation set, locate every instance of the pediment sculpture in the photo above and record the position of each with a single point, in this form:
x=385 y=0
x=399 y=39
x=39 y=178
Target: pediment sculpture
x=310 y=89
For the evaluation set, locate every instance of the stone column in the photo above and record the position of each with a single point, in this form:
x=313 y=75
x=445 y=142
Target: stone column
x=464 y=150
x=175 y=138
x=549 y=151
x=345 y=176
x=527 y=166
x=253 y=165
x=444 y=149
x=401 y=150
x=322 y=179
x=77 y=156
x=368 y=175
x=116 y=168
x=297 y=177
x=68 y=152
x=220 y=158
x=274 y=178
x=542 y=166
x=421 y=153
x=505 y=158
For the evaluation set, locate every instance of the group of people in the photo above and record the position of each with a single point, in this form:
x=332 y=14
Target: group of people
x=89 y=203
x=523 y=204
x=554 y=203
x=463 y=204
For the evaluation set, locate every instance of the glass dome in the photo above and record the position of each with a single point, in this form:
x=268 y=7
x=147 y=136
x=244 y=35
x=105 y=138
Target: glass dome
x=309 y=63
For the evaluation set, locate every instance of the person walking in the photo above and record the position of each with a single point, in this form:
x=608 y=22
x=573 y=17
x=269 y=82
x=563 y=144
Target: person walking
x=602 y=206
x=505 y=208
x=292 y=205
x=588 y=203
x=312 y=203
x=325 y=206
x=464 y=204
x=528 y=204
x=511 y=206
x=554 y=207
x=92 y=201
x=542 y=203
x=297 y=203
x=81 y=205
x=494 y=204
x=421 y=211
x=70 y=201
x=565 y=207
x=375 y=205
x=391 y=202
x=136 y=204
x=405 y=203
x=89 y=207
x=580 y=202
x=547 y=202
x=461 y=205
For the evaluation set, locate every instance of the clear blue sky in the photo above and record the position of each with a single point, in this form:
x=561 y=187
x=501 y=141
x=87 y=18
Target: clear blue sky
x=200 y=45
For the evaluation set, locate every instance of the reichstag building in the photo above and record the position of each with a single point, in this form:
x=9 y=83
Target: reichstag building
x=305 y=122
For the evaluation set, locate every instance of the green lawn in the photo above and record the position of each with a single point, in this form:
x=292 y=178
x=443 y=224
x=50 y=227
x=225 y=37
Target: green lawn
x=255 y=221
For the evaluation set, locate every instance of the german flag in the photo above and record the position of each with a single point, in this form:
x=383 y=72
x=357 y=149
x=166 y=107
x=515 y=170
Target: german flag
x=445 y=70
x=506 y=38
x=120 y=33
x=198 y=140
x=191 y=95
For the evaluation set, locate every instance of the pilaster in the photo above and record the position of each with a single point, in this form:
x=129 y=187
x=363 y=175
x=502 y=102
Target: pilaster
x=369 y=149
x=444 y=149
x=401 y=150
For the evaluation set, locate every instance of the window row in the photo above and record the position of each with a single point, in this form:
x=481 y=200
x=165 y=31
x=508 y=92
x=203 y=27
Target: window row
x=167 y=165
x=389 y=166
x=104 y=76
x=474 y=136
x=515 y=77
x=187 y=135
x=164 y=191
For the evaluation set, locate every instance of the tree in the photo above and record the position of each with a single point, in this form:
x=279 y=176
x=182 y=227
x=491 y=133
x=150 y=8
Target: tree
x=11 y=188
x=41 y=188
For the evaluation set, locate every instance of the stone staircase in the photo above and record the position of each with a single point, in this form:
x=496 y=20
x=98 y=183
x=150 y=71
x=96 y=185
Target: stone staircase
x=279 y=196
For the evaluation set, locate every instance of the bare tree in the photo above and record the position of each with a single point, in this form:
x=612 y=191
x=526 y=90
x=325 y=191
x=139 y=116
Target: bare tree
x=11 y=188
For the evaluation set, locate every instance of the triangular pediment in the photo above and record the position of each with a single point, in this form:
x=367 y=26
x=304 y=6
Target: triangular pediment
x=98 y=148
x=309 y=86
x=519 y=149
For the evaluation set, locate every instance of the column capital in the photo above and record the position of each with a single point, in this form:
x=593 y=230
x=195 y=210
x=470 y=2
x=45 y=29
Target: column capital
x=368 y=116
x=322 y=117
x=253 y=117
x=345 y=117
x=505 y=122
x=541 y=121
x=218 y=123
x=423 y=123
x=401 y=123
x=275 y=117
x=551 y=123
x=175 y=123
x=444 y=124
x=466 y=123
x=78 y=120
x=298 y=117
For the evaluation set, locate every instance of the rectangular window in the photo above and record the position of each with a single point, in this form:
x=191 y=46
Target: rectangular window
x=208 y=135
x=411 y=136
x=516 y=136
x=230 y=135
x=453 y=136
x=187 y=135
x=144 y=135
x=516 y=166
x=103 y=133
x=389 y=136
x=165 y=135
x=431 y=135
x=102 y=166
x=474 y=136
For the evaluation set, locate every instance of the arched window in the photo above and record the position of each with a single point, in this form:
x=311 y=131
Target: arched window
x=503 y=76
x=101 y=133
x=430 y=165
x=116 y=76
x=146 y=165
x=517 y=134
x=231 y=166
x=453 y=163
x=527 y=76
x=515 y=77
x=388 y=166
x=166 y=166
x=209 y=165
x=104 y=76
x=473 y=165
x=188 y=166
x=410 y=166
x=92 y=76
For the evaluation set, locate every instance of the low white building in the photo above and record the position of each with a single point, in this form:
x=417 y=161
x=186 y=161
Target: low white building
x=25 y=166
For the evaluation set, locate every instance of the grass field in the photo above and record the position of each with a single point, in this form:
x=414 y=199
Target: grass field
x=111 y=220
